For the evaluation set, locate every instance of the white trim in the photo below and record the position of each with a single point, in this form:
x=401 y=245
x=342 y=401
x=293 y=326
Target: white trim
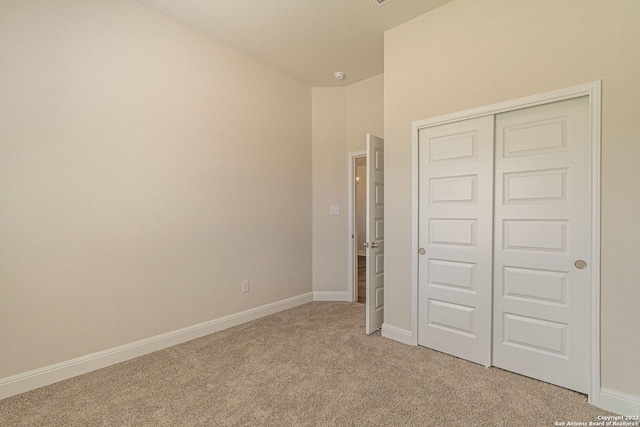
x=415 y=243
x=36 y=378
x=352 y=244
x=620 y=403
x=587 y=89
x=595 y=105
x=362 y=253
x=593 y=91
x=331 y=296
x=397 y=334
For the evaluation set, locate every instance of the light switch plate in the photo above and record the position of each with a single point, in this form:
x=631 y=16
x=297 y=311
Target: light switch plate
x=334 y=210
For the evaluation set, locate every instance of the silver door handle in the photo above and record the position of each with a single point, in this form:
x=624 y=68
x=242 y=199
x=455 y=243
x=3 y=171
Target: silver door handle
x=580 y=264
x=366 y=245
x=374 y=245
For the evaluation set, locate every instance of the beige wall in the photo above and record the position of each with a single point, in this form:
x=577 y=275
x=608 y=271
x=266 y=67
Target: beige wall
x=329 y=174
x=469 y=53
x=365 y=107
x=145 y=171
x=341 y=119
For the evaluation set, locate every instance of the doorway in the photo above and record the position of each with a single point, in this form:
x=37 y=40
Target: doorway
x=360 y=220
x=357 y=225
x=373 y=239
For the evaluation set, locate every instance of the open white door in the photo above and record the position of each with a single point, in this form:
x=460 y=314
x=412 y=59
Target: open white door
x=375 y=233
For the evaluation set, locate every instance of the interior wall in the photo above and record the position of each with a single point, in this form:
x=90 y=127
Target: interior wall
x=365 y=112
x=342 y=117
x=329 y=173
x=145 y=171
x=467 y=54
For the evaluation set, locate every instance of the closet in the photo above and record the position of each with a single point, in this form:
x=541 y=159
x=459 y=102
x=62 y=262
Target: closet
x=504 y=236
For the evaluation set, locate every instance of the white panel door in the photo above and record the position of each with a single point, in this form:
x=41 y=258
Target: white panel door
x=375 y=233
x=542 y=244
x=455 y=237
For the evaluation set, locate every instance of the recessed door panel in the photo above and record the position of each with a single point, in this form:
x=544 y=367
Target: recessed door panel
x=536 y=235
x=535 y=186
x=378 y=264
x=535 y=137
x=459 y=275
x=379 y=160
x=453 y=147
x=379 y=298
x=454 y=318
x=379 y=229
x=379 y=195
x=532 y=334
x=458 y=189
x=457 y=232
x=535 y=285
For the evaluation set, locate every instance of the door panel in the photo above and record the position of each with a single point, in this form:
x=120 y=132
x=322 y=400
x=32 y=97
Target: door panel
x=455 y=226
x=375 y=233
x=542 y=226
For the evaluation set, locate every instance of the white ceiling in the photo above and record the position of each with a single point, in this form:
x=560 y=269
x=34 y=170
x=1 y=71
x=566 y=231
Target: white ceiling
x=306 y=39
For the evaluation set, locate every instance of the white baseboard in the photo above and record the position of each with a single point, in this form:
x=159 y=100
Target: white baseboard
x=331 y=296
x=620 y=403
x=397 y=334
x=362 y=253
x=37 y=378
x=610 y=400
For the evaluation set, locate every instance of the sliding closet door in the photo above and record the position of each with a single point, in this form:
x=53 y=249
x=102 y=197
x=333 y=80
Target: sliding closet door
x=542 y=245
x=455 y=237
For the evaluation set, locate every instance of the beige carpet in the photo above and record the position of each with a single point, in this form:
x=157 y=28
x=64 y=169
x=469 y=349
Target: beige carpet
x=309 y=366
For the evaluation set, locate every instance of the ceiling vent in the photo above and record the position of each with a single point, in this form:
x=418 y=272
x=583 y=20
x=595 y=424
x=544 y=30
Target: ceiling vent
x=381 y=2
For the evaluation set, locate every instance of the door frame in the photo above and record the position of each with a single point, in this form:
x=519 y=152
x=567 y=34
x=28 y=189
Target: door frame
x=352 y=244
x=593 y=91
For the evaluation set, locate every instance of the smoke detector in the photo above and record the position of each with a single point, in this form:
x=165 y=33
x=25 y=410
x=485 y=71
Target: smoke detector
x=381 y=2
x=339 y=75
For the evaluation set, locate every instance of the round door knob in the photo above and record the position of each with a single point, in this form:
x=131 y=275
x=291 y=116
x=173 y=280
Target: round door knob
x=580 y=264
x=422 y=251
x=374 y=245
